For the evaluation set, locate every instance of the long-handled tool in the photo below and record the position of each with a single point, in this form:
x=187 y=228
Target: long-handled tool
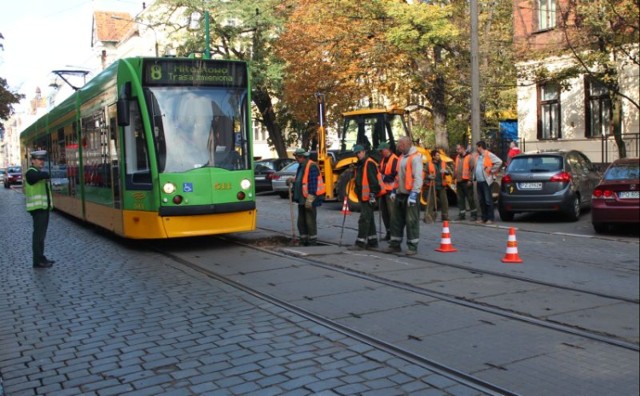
x=380 y=203
x=294 y=239
x=345 y=211
x=430 y=195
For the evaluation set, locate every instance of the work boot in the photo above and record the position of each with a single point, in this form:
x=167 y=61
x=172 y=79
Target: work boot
x=387 y=237
x=372 y=245
x=44 y=264
x=392 y=249
x=411 y=252
x=357 y=246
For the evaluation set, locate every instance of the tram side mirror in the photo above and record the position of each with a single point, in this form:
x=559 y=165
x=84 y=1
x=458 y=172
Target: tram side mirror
x=124 y=118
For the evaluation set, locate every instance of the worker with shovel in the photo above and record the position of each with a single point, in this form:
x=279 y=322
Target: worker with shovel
x=308 y=190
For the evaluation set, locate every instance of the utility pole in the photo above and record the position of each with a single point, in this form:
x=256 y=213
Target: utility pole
x=475 y=75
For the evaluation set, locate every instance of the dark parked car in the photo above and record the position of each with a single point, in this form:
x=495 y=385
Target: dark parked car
x=279 y=179
x=13 y=176
x=265 y=168
x=551 y=181
x=616 y=200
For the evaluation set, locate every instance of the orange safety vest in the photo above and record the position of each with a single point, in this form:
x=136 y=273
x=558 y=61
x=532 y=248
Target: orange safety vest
x=366 y=190
x=466 y=167
x=408 y=174
x=305 y=181
x=386 y=167
x=432 y=171
x=487 y=165
x=486 y=162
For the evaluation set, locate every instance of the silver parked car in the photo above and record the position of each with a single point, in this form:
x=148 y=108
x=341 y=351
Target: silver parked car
x=551 y=181
x=279 y=179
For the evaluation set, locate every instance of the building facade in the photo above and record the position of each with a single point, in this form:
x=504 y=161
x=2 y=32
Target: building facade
x=562 y=104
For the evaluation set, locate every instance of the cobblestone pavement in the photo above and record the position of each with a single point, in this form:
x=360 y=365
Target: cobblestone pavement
x=113 y=319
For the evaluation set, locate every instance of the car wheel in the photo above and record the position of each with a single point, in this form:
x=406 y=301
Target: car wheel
x=600 y=227
x=573 y=212
x=505 y=215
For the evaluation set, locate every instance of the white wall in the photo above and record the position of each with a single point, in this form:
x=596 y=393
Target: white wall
x=572 y=118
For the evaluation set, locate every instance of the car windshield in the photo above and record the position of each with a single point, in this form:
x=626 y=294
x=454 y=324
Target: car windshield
x=15 y=169
x=292 y=167
x=623 y=172
x=542 y=163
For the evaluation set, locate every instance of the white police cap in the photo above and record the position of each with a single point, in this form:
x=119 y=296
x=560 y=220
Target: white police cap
x=38 y=154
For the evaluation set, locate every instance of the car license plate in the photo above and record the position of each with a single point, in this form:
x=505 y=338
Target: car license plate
x=629 y=195
x=529 y=186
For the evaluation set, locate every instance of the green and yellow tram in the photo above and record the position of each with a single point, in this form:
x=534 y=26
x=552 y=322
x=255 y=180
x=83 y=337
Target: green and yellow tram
x=154 y=148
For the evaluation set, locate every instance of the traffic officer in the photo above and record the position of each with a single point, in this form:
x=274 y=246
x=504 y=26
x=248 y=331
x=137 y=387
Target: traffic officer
x=388 y=170
x=367 y=187
x=486 y=169
x=463 y=169
x=437 y=187
x=308 y=188
x=37 y=191
x=406 y=196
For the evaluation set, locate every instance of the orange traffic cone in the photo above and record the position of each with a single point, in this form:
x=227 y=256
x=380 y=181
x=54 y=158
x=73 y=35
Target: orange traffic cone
x=445 y=241
x=345 y=207
x=512 y=248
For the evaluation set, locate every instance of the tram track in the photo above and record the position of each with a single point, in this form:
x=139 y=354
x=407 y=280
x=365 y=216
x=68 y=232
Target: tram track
x=264 y=246
x=458 y=376
x=471 y=303
x=475 y=270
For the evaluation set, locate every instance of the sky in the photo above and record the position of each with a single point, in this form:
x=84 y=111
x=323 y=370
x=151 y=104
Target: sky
x=45 y=35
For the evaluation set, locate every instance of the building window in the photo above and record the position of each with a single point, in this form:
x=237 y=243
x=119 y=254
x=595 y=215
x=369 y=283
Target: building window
x=546 y=14
x=598 y=109
x=549 y=111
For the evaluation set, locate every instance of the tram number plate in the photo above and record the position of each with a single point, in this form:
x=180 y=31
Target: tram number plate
x=529 y=186
x=629 y=195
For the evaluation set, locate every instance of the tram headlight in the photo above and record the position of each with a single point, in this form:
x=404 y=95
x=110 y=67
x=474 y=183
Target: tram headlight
x=245 y=184
x=169 y=188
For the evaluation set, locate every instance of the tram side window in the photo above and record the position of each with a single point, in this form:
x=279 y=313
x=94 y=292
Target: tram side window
x=138 y=173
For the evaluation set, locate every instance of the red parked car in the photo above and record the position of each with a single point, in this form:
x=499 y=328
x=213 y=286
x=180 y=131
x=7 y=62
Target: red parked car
x=616 y=200
x=13 y=176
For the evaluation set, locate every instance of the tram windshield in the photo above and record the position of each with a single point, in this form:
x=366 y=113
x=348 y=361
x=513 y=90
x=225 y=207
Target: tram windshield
x=196 y=127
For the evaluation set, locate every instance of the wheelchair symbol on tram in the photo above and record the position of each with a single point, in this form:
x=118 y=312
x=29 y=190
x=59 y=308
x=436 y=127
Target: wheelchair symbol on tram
x=187 y=187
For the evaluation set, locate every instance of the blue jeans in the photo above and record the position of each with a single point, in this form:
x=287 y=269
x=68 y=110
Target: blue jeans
x=485 y=201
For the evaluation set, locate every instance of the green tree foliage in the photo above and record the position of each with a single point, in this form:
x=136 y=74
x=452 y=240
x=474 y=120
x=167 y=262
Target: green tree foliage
x=239 y=29
x=360 y=53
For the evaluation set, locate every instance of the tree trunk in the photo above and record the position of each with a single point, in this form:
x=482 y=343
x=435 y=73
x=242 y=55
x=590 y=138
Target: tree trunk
x=436 y=96
x=616 y=122
x=262 y=100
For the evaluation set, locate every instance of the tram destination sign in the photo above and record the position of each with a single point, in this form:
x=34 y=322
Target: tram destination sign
x=197 y=72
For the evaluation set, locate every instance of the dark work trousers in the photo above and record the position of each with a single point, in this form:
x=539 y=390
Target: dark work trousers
x=485 y=201
x=442 y=203
x=307 y=225
x=464 y=192
x=407 y=215
x=387 y=211
x=40 y=224
x=366 y=226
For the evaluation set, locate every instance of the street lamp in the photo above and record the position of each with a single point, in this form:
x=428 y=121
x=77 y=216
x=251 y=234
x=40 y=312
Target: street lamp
x=155 y=34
